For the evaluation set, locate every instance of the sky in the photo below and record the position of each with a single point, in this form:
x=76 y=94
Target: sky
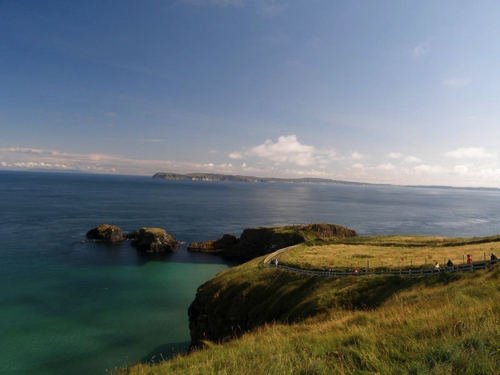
x=400 y=92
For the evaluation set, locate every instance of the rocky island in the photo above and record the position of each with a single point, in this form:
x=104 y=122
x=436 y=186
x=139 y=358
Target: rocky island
x=255 y=242
x=106 y=233
x=149 y=240
x=152 y=240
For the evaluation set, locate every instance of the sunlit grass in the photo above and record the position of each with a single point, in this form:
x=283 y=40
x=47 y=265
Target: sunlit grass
x=452 y=325
x=447 y=323
x=389 y=252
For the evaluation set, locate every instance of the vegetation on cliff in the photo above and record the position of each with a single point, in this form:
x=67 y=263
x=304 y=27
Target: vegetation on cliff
x=281 y=322
x=255 y=242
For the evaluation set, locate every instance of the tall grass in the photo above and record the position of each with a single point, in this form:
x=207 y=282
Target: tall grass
x=386 y=252
x=440 y=324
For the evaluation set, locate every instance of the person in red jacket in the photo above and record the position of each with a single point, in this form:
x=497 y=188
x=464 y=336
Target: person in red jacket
x=469 y=259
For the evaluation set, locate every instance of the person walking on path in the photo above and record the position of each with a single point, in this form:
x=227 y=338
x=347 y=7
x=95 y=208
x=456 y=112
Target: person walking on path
x=469 y=259
x=436 y=267
x=493 y=256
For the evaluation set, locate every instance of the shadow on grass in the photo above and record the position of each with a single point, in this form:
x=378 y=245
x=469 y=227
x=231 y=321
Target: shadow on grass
x=165 y=352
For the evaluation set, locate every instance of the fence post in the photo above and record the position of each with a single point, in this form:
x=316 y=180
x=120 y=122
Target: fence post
x=367 y=264
x=463 y=258
x=484 y=256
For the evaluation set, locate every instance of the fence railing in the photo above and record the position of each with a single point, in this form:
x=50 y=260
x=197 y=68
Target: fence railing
x=409 y=272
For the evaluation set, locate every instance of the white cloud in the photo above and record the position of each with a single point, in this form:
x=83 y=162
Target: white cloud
x=412 y=159
x=457 y=82
x=430 y=168
x=236 y=155
x=395 y=155
x=471 y=153
x=286 y=150
x=110 y=114
x=4 y=164
x=460 y=169
x=386 y=167
x=358 y=156
x=420 y=50
x=358 y=166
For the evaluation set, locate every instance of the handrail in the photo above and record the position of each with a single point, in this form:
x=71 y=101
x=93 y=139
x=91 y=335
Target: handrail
x=407 y=272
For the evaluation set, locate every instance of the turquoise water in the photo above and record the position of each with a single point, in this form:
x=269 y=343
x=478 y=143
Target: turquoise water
x=68 y=307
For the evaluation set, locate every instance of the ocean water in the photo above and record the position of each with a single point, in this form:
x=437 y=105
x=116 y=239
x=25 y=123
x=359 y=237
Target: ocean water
x=68 y=307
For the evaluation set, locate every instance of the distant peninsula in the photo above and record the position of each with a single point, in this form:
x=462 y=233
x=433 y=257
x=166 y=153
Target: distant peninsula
x=238 y=178
x=307 y=180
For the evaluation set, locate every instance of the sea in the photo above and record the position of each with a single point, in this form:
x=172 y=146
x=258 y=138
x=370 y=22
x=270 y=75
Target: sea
x=73 y=307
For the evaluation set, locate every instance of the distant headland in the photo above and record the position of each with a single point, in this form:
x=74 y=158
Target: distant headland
x=308 y=180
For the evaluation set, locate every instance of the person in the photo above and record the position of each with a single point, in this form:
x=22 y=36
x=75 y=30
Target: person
x=276 y=262
x=449 y=265
x=356 y=272
x=469 y=259
x=436 y=266
x=493 y=256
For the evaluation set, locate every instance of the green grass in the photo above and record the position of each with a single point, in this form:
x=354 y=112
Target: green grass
x=440 y=324
x=385 y=252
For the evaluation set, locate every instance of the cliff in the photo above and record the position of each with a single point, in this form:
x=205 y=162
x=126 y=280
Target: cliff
x=255 y=242
x=252 y=319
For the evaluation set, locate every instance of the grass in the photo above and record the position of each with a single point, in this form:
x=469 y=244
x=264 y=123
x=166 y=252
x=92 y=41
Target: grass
x=385 y=252
x=447 y=323
x=155 y=231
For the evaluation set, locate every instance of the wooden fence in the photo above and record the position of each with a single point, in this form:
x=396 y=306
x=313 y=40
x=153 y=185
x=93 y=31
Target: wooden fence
x=408 y=272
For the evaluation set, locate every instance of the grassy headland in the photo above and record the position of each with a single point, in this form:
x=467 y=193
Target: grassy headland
x=389 y=252
x=282 y=323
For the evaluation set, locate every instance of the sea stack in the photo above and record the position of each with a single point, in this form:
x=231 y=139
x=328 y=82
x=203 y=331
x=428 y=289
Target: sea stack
x=106 y=233
x=152 y=240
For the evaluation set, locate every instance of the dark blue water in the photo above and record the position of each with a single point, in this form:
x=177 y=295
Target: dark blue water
x=67 y=307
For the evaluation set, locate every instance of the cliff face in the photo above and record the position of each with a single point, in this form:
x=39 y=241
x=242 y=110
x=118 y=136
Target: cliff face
x=249 y=296
x=241 y=299
x=260 y=241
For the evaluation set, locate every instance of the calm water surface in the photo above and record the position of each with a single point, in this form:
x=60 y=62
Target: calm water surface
x=67 y=307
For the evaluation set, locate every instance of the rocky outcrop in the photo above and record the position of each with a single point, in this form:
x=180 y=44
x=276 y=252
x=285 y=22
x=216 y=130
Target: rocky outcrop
x=260 y=241
x=152 y=240
x=223 y=244
x=106 y=233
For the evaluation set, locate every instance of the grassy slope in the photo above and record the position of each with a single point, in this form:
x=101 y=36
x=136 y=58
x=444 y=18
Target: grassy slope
x=389 y=252
x=445 y=323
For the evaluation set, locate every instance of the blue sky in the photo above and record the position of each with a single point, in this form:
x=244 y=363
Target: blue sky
x=386 y=91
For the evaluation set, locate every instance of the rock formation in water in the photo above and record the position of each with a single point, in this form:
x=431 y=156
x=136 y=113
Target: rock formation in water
x=152 y=240
x=106 y=233
x=260 y=241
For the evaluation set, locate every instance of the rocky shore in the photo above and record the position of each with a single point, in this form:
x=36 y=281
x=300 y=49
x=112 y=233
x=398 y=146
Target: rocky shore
x=255 y=242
